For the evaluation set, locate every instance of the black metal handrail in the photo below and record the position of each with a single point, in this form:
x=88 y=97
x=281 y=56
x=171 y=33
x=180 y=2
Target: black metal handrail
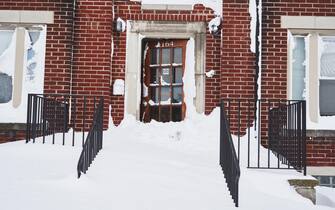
x=228 y=158
x=273 y=126
x=49 y=114
x=287 y=134
x=93 y=143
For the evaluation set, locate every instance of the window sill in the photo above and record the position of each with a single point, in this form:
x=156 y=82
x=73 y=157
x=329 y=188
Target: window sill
x=320 y=133
x=12 y=126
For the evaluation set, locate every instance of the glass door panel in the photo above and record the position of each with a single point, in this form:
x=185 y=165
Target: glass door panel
x=163 y=70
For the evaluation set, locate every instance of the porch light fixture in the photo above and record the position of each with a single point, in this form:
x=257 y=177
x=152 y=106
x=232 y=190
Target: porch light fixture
x=214 y=26
x=120 y=25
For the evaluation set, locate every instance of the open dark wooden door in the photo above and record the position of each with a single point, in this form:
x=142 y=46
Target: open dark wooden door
x=162 y=86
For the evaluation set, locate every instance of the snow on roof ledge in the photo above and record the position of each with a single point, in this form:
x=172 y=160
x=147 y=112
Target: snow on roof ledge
x=167 y=6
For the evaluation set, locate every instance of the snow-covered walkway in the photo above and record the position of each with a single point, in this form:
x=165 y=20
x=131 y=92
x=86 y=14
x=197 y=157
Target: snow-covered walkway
x=171 y=166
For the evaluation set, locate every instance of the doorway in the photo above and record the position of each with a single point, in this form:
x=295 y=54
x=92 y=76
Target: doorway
x=163 y=68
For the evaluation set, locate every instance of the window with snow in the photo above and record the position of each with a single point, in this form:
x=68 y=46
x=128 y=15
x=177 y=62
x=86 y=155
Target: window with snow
x=33 y=37
x=326 y=181
x=313 y=73
x=22 y=58
x=298 y=68
x=6 y=70
x=327 y=76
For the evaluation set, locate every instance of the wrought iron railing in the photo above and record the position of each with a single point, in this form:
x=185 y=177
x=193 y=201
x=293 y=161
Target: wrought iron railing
x=273 y=127
x=228 y=158
x=276 y=137
x=287 y=134
x=50 y=117
x=93 y=143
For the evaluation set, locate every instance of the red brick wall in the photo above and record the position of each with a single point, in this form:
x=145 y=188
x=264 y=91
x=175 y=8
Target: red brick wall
x=92 y=49
x=237 y=60
x=92 y=45
x=321 y=151
x=7 y=136
x=58 y=44
x=132 y=11
x=274 y=40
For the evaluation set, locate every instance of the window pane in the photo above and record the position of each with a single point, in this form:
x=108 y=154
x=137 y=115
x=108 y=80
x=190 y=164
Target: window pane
x=176 y=113
x=32 y=55
x=155 y=56
x=154 y=110
x=166 y=79
x=165 y=114
x=154 y=95
x=6 y=88
x=34 y=35
x=327 y=57
x=154 y=78
x=165 y=95
x=6 y=38
x=178 y=58
x=166 y=56
x=327 y=99
x=177 y=94
x=298 y=69
x=178 y=75
x=324 y=180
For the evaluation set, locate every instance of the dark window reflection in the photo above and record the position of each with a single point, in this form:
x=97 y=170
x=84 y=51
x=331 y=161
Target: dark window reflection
x=6 y=88
x=155 y=56
x=176 y=113
x=165 y=113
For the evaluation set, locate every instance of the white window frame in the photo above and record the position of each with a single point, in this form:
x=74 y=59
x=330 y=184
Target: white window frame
x=313 y=27
x=315 y=120
x=20 y=21
x=331 y=35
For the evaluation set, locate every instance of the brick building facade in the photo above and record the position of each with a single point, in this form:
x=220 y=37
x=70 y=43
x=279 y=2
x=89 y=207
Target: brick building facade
x=85 y=54
x=276 y=30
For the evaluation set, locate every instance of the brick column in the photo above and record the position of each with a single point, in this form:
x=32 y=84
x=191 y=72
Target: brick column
x=92 y=49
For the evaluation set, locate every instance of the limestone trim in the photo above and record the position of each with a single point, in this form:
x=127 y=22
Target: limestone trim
x=137 y=31
x=308 y=22
x=26 y=17
x=321 y=171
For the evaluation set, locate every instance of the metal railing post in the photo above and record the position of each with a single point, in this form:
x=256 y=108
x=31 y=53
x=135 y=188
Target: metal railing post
x=28 y=126
x=228 y=158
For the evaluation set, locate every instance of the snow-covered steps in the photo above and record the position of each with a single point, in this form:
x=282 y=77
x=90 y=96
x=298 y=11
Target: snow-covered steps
x=172 y=166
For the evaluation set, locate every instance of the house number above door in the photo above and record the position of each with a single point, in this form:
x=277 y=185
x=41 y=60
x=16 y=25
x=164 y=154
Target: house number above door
x=167 y=44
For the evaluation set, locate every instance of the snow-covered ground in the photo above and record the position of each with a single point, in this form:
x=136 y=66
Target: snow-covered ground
x=168 y=166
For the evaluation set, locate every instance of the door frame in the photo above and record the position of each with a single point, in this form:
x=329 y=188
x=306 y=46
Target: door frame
x=145 y=107
x=136 y=32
